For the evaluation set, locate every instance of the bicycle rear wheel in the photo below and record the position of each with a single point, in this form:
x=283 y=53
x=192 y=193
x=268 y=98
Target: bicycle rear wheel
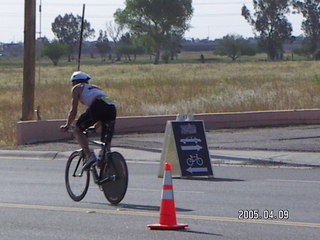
x=116 y=171
x=77 y=183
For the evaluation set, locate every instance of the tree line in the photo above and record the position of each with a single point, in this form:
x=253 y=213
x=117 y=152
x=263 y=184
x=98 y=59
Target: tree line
x=156 y=27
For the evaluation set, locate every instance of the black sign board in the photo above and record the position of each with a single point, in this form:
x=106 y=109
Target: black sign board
x=192 y=148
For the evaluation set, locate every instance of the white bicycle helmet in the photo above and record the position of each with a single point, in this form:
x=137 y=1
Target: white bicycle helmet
x=78 y=76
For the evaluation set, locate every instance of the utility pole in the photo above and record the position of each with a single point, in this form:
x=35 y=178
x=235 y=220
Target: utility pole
x=29 y=60
x=40 y=38
x=81 y=36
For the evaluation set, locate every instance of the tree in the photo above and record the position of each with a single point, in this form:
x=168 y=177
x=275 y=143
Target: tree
x=103 y=45
x=156 y=19
x=54 y=51
x=148 y=43
x=310 y=10
x=174 y=44
x=67 y=30
x=128 y=46
x=234 y=46
x=317 y=55
x=114 y=31
x=270 y=21
x=304 y=50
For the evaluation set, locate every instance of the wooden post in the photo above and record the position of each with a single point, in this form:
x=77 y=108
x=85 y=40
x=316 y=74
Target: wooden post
x=29 y=60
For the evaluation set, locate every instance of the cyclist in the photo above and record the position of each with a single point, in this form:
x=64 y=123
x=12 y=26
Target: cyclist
x=100 y=109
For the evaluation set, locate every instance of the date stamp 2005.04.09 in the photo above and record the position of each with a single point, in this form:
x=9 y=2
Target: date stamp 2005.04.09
x=255 y=214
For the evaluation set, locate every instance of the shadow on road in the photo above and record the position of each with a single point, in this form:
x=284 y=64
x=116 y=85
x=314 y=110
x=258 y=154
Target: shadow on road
x=148 y=207
x=202 y=233
x=188 y=230
x=211 y=179
x=141 y=207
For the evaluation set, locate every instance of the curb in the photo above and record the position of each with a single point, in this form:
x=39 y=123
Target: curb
x=37 y=131
x=218 y=159
x=259 y=161
x=37 y=155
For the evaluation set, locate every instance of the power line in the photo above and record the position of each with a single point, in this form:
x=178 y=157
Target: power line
x=223 y=3
x=218 y=15
x=18 y=3
x=11 y=14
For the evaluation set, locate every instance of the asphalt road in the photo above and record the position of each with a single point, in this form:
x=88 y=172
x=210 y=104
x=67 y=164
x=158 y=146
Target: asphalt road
x=34 y=204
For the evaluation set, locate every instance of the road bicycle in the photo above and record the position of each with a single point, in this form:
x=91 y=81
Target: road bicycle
x=109 y=172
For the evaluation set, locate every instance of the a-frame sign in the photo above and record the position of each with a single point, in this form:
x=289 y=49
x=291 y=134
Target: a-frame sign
x=185 y=147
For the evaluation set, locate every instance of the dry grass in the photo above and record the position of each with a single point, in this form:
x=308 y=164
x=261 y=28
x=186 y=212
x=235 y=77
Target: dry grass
x=170 y=89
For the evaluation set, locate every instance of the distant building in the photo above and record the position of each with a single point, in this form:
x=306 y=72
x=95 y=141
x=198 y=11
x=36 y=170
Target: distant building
x=197 y=45
x=11 y=49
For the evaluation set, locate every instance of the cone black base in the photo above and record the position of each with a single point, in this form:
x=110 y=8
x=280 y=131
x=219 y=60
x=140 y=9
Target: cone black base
x=167 y=227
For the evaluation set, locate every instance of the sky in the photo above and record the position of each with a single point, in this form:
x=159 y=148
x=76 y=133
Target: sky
x=211 y=18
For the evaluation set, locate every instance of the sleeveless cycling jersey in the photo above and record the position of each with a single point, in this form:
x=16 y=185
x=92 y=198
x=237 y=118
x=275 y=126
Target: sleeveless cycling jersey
x=90 y=93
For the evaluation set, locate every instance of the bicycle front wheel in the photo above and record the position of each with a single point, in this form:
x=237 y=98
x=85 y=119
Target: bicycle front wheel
x=77 y=182
x=116 y=171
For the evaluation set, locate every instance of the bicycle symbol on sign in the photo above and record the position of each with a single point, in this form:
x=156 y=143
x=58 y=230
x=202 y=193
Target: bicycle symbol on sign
x=194 y=159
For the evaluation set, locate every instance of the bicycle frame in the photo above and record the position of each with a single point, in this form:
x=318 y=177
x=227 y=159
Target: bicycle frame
x=106 y=136
x=78 y=164
x=97 y=177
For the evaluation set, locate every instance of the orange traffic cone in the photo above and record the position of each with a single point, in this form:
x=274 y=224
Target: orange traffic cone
x=167 y=219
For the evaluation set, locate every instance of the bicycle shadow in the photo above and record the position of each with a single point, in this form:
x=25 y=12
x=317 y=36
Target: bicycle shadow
x=141 y=207
x=148 y=207
x=157 y=209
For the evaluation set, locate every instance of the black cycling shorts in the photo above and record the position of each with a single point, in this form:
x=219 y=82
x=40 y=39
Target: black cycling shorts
x=98 y=111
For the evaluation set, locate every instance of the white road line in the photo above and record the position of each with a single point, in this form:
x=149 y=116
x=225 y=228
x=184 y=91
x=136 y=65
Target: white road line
x=120 y=211
x=293 y=181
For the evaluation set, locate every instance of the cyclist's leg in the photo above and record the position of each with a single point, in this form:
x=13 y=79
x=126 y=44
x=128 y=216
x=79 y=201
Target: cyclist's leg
x=84 y=122
x=107 y=133
x=106 y=113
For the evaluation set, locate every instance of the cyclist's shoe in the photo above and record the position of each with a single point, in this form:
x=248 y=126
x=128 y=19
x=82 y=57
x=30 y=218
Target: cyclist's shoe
x=89 y=161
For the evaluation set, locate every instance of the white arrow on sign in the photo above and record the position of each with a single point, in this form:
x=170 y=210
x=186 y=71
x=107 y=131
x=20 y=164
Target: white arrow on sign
x=191 y=148
x=197 y=170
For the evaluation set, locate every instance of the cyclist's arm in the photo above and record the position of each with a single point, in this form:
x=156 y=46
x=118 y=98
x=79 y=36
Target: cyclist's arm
x=76 y=91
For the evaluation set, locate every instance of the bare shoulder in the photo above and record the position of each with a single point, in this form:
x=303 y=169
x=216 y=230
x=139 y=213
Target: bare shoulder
x=77 y=89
